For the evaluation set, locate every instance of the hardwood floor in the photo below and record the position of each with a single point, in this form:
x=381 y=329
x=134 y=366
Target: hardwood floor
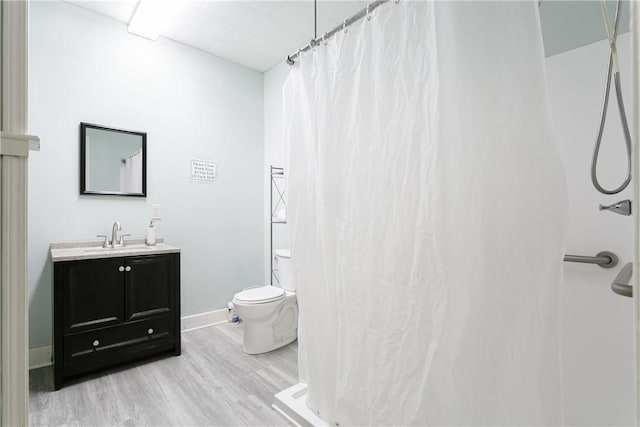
x=212 y=383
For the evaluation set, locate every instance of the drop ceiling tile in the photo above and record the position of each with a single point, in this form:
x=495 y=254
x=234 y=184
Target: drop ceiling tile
x=120 y=10
x=206 y=24
x=256 y=24
x=255 y=33
x=228 y=11
x=299 y=15
x=338 y=11
x=287 y=41
x=240 y=16
x=221 y=31
x=226 y=41
x=267 y=7
x=196 y=27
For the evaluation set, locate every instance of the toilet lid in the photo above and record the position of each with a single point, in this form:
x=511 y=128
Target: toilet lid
x=260 y=295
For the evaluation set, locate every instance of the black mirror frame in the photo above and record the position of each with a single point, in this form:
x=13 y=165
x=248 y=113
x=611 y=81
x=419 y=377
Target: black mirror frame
x=83 y=169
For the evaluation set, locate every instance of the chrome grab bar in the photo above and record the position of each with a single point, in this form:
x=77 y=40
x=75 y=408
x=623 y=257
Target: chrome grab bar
x=604 y=259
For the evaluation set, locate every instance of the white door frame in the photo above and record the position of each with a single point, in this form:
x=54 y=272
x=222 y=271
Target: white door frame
x=14 y=151
x=635 y=21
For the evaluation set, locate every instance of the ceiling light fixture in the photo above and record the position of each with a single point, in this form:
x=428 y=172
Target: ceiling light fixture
x=151 y=17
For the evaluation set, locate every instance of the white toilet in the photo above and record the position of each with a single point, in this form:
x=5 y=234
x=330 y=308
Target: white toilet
x=269 y=313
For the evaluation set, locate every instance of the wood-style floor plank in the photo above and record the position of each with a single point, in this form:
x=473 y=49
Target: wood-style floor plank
x=212 y=383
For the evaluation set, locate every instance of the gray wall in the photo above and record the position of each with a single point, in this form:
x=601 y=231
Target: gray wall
x=84 y=67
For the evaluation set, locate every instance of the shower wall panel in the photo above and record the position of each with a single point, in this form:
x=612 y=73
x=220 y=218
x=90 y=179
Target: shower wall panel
x=597 y=347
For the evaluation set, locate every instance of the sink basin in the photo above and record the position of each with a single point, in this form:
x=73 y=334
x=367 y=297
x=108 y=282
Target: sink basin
x=119 y=249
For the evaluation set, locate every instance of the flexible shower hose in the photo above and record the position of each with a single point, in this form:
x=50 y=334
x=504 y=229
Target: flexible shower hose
x=615 y=71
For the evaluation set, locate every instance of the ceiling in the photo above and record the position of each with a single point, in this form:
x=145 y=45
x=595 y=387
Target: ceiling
x=257 y=34
x=261 y=33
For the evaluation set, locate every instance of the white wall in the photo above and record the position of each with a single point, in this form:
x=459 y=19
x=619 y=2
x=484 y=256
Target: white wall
x=597 y=324
x=598 y=328
x=85 y=67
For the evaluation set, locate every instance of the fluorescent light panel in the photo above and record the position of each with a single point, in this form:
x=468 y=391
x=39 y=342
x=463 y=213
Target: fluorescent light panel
x=151 y=17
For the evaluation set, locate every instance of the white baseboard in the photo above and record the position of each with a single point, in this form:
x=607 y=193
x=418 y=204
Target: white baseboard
x=202 y=320
x=41 y=356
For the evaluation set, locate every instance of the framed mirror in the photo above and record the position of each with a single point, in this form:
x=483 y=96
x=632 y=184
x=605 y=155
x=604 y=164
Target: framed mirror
x=112 y=161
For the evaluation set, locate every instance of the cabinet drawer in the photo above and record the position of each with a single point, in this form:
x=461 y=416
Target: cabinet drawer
x=117 y=338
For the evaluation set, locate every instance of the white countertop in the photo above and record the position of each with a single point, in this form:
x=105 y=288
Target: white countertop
x=92 y=249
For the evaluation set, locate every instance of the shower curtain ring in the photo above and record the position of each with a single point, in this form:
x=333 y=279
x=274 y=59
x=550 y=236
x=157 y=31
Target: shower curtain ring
x=397 y=1
x=344 y=25
x=368 y=16
x=324 y=39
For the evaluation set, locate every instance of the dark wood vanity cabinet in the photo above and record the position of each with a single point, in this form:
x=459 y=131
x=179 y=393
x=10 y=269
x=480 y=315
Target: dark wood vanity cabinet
x=110 y=311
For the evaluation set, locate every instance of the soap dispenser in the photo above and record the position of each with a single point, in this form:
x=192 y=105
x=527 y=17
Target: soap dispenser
x=151 y=235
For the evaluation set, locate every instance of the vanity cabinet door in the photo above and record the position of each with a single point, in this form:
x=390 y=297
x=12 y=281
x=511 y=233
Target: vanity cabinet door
x=110 y=311
x=149 y=286
x=92 y=293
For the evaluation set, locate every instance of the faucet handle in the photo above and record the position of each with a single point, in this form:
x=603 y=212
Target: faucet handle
x=122 y=236
x=105 y=244
x=623 y=207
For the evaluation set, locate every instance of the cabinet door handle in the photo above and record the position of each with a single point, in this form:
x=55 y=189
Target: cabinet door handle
x=96 y=343
x=128 y=268
x=150 y=331
x=121 y=268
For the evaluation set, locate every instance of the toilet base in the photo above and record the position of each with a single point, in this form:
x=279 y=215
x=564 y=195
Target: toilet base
x=252 y=349
x=263 y=335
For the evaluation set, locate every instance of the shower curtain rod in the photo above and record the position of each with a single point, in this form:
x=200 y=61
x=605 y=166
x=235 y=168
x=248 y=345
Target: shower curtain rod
x=291 y=59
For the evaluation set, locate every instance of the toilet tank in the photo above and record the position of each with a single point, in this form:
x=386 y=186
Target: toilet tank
x=285 y=270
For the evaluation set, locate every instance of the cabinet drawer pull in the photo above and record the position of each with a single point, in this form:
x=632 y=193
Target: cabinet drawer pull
x=150 y=331
x=128 y=268
x=96 y=343
x=121 y=269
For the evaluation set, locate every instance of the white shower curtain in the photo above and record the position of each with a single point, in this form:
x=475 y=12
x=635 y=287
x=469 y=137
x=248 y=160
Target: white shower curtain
x=131 y=174
x=427 y=211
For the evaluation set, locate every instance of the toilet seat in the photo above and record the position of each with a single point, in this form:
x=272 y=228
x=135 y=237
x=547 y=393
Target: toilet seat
x=260 y=295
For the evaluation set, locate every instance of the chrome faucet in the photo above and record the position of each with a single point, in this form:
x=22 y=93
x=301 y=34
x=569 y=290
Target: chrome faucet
x=114 y=233
x=115 y=241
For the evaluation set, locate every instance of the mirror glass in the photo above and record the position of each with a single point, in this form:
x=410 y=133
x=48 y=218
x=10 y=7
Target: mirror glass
x=112 y=161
